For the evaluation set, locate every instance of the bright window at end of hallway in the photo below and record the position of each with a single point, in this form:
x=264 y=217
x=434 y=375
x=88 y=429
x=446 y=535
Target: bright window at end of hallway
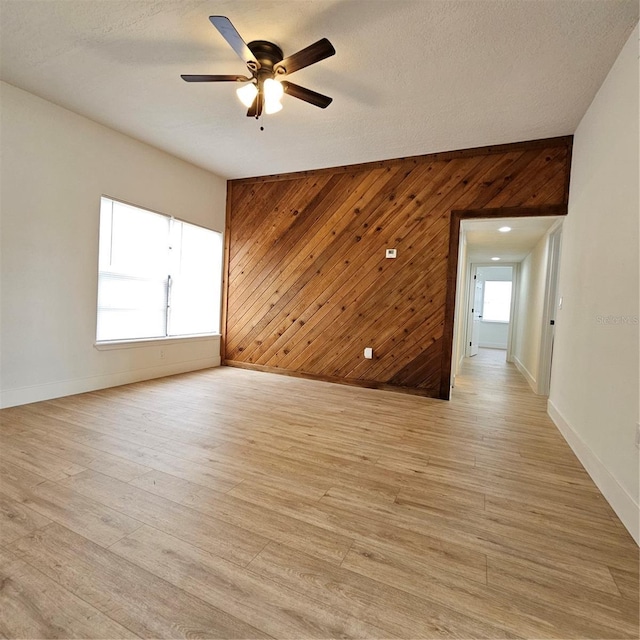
x=497 y=301
x=158 y=277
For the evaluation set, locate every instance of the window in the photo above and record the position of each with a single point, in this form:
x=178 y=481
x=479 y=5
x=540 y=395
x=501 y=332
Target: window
x=497 y=301
x=158 y=276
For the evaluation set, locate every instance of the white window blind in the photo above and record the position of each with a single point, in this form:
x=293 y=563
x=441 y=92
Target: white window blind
x=158 y=276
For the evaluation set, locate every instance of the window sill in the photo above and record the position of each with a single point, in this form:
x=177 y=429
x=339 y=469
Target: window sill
x=107 y=345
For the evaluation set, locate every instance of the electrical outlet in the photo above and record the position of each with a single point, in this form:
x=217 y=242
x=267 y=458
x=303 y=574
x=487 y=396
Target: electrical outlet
x=368 y=353
x=390 y=253
x=161 y=354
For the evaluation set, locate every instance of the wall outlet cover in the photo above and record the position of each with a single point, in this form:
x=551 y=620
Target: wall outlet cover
x=368 y=353
x=391 y=253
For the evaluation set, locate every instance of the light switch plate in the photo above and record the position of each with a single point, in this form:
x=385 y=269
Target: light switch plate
x=368 y=353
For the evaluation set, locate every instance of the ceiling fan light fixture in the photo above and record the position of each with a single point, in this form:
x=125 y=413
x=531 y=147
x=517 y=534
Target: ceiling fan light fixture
x=247 y=94
x=265 y=61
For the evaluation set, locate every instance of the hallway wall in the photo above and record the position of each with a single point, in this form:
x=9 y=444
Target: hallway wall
x=530 y=311
x=595 y=382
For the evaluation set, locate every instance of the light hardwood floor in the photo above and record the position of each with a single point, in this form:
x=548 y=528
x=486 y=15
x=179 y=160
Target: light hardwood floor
x=235 y=504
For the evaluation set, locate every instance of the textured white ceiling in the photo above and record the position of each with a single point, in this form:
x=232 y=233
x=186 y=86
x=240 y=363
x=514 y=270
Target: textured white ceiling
x=484 y=241
x=409 y=77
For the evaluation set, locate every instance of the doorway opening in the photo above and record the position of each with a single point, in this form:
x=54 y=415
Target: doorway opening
x=490 y=309
x=506 y=294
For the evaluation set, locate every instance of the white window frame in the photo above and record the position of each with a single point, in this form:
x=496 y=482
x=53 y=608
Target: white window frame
x=132 y=343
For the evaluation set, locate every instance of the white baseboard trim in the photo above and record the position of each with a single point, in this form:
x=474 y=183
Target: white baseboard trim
x=492 y=345
x=616 y=495
x=47 y=391
x=527 y=374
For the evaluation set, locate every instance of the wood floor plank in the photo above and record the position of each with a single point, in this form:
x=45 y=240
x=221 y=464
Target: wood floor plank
x=87 y=457
x=488 y=531
x=19 y=476
x=264 y=604
x=133 y=597
x=80 y=418
x=318 y=542
x=394 y=610
x=146 y=458
x=542 y=584
x=442 y=554
x=216 y=536
x=81 y=514
x=441 y=497
x=627 y=582
x=238 y=462
x=17 y=520
x=575 y=514
x=517 y=613
x=33 y=605
x=32 y=459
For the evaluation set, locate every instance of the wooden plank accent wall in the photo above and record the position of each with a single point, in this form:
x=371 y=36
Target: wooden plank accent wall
x=308 y=286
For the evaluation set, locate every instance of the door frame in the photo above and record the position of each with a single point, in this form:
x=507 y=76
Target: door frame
x=471 y=298
x=455 y=219
x=514 y=296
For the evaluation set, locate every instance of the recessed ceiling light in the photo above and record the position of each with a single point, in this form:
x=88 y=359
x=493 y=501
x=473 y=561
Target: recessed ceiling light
x=504 y=229
x=495 y=258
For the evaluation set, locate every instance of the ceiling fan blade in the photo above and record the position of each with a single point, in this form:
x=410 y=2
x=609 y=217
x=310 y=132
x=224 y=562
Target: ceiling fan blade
x=307 y=95
x=312 y=54
x=255 y=110
x=229 y=33
x=206 y=78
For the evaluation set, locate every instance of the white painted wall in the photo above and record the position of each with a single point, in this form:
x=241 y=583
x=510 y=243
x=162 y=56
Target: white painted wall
x=530 y=312
x=55 y=165
x=594 y=380
x=494 y=335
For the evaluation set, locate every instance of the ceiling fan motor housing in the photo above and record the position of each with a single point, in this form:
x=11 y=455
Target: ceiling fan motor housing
x=266 y=53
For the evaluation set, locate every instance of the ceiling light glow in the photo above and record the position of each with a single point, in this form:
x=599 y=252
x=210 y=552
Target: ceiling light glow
x=495 y=258
x=273 y=92
x=504 y=229
x=247 y=94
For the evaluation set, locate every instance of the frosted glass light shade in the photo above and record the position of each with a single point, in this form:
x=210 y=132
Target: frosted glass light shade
x=247 y=94
x=273 y=89
x=273 y=92
x=272 y=107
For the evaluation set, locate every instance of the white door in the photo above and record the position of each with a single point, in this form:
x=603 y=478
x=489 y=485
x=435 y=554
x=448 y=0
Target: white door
x=550 y=311
x=476 y=316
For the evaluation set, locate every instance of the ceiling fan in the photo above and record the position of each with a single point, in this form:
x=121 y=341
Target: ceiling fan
x=266 y=64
